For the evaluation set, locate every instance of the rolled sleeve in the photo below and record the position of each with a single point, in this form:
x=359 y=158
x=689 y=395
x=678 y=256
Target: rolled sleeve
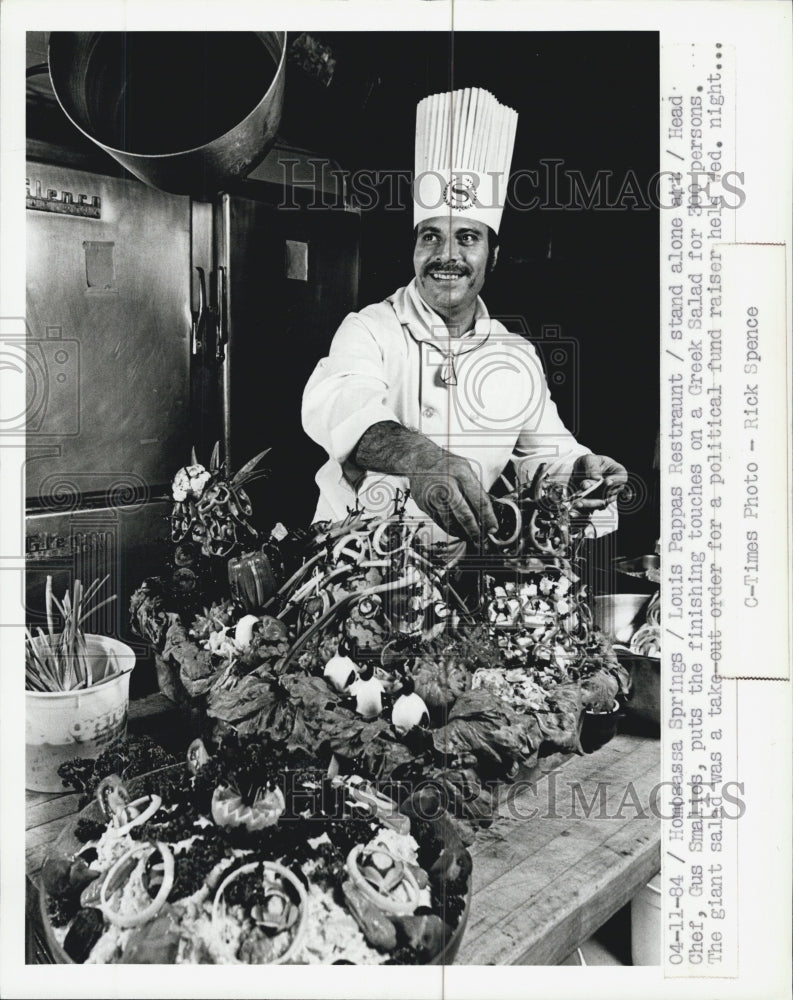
x=347 y=392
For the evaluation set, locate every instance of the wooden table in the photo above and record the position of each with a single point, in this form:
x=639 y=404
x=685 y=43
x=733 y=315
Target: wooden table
x=546 y=874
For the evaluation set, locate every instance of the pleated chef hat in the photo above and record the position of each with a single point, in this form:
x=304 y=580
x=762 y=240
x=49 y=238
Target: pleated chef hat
x=464 y=142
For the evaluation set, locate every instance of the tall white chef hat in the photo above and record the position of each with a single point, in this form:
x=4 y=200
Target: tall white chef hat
x=464 y=142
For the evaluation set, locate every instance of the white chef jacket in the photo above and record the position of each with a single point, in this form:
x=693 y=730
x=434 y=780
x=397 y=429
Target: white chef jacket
x=385 y=363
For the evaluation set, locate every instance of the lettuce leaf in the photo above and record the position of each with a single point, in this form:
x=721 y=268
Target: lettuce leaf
x=196 y=671
x=561 y=724
x=484 y=727
x=251 y=694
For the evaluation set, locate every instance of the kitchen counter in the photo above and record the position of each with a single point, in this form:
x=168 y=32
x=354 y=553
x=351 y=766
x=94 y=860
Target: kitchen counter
x=571 y=844
x=547 y=875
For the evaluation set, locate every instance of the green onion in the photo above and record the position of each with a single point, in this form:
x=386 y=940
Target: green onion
x=60 y=661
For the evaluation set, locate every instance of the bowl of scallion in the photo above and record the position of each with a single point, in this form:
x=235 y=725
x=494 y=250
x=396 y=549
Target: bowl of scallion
x=76 y=686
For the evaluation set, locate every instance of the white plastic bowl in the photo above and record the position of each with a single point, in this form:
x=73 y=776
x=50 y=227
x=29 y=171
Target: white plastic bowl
x=60 y=725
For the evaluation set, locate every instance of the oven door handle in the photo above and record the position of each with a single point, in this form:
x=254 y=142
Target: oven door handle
x=198 y=329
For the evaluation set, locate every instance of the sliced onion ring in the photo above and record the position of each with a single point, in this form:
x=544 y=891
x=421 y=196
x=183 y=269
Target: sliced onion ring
x=154 y=804
x=504 y=542
x=397 y=907
x=142 y=916
x=299 y=930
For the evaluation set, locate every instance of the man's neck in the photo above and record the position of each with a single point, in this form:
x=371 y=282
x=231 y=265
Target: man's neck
x=459 y=324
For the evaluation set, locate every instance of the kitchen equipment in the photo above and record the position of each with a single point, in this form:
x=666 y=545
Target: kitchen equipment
x=646 y=567
x=127 y=370
x=108 y=361
x=108 y=348
x=187 y=112
x=287 y=277
x=597 y=728
x=146 y=308
x=619 y=615
x=61 y=725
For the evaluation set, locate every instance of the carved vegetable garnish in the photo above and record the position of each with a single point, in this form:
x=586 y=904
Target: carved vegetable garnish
x=85 y=931
x=284 y=907
x=255 y=811
x=340 y=672
x=383 y=878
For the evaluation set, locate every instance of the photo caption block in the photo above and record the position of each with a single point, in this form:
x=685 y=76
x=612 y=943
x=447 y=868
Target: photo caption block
x=700 y=194
x=756 y=502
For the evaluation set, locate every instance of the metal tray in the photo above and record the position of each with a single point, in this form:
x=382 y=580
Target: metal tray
x=643 y=567
x=644 y=705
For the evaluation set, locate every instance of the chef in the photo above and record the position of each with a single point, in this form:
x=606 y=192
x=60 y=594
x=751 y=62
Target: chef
x=425 y=391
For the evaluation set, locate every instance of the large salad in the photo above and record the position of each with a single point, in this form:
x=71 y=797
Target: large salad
x=254 y=855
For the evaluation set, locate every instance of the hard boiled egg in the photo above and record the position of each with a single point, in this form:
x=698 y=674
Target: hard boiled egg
x=340 y=672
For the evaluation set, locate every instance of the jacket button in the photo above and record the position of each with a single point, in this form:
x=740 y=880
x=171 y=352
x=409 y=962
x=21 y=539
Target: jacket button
x=428 y=411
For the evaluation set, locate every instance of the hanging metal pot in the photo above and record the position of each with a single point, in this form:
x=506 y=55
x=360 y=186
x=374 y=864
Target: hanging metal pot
x=186 y=112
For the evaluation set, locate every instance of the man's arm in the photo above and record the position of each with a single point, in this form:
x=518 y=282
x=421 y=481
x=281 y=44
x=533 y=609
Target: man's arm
x=345 y=410
x=443 y=485
x=347 y=391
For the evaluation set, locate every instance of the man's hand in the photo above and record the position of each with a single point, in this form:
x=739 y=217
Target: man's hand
x=450 y=492
x=443 y=485
x=587 y=470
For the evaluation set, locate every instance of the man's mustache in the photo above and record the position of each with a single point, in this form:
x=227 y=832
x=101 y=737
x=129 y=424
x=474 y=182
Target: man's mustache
x=449 y=268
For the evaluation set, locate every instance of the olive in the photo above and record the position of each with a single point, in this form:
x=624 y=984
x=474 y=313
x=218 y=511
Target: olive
x=153 y=874
x=85 y=931
x=89 y=854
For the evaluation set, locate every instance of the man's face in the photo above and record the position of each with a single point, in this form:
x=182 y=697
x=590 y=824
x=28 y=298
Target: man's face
x=450 y=261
